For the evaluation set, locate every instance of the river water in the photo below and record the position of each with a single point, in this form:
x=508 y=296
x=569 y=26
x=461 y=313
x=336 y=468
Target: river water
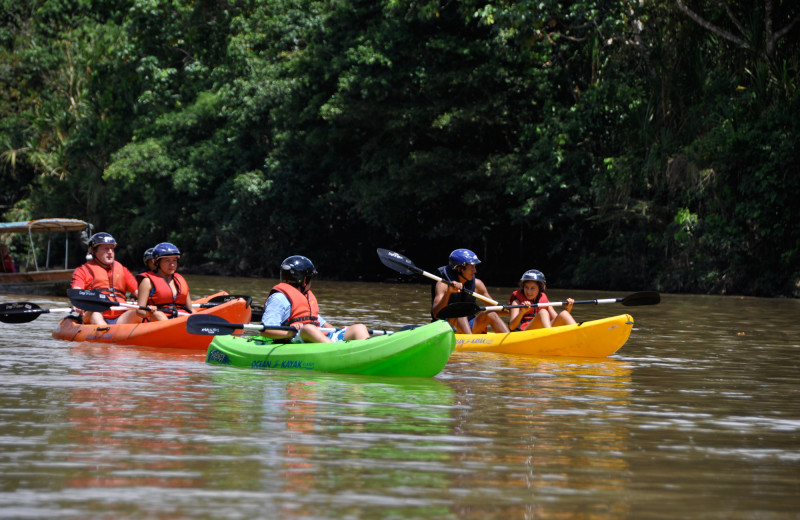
x=697 y=416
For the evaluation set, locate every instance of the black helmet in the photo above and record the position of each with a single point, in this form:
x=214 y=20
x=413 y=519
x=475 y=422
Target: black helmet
x=148 y=255
x=297 y=269
x=534 y=275
x=165 y=249
x=101 y=238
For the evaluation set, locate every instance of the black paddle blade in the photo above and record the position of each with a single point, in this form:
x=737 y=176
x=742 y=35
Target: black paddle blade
x=224 y=298
x=210 y=325
x=90 y=300
x=458 y=310
x=398 y=262
x=20 y=312
x=641 y=298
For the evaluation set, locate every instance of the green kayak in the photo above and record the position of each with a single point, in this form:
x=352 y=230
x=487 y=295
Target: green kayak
x=418 y=352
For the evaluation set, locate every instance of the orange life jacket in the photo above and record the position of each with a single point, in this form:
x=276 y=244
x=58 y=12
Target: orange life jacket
x=519 y=295
x=304 y=306
x=161 y=294
x=110 y=282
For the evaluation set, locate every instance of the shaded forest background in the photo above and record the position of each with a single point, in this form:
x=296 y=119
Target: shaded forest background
x=612 y=144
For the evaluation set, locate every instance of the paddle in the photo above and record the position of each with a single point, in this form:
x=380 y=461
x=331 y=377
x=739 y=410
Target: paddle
x=210 y=325
x=456 y=310
x=94 y=301
x=403 y=265
x=23 y=312
x=223 y=298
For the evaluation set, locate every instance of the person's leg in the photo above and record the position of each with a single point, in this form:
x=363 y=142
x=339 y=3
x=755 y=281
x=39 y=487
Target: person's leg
x=356 y=331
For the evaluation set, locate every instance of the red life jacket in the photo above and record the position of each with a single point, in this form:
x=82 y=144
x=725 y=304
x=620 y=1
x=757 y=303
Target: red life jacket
x=519 y=295
x=161 y=294
x=110 y=282
x=304 y=306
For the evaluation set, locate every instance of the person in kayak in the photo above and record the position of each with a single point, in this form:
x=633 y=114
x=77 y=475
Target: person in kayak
x=6 y=261
x=164 y=292
x=292 y=303
x=149 y=264
x=531 y=291
x=104 y=274
x=460 y=272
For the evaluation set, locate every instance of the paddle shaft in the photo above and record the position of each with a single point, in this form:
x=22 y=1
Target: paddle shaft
x=261 y=328
x=23 y=312
x=211 y=325
x=459 y=309
x=400 y=261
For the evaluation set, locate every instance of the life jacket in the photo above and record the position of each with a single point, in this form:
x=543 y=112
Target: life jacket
x=110 y=282
x=451 y=275
x=527 y=318
x=161 y=294
x=304 y=306
x=140 y=276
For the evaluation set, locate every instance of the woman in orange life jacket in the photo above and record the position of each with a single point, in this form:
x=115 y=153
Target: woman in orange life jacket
x=461 y=272
x=531 y=290
x=105 y=275
x=292 y=303
x=164 y=292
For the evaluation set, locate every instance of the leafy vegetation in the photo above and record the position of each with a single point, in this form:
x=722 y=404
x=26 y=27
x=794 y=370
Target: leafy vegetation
x=611 y=144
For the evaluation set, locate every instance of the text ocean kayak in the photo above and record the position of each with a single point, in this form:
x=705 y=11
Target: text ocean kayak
x=596 y=338
x=165 y=334
x=419 y=352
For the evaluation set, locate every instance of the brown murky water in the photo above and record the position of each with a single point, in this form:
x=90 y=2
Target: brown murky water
x=697 y=416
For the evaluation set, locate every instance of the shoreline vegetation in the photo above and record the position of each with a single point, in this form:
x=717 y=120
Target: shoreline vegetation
x=611 y=145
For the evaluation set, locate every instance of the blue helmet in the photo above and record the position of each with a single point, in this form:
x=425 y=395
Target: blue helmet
x=533 y=275
x=462 y=258
x=297 y=269
x=165 y=249
x=101 y=238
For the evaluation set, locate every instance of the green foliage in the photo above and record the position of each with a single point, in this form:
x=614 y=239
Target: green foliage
x=611 y=144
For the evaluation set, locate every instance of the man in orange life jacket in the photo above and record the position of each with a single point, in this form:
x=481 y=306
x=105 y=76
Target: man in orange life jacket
x=104 y=274
x=291 y=303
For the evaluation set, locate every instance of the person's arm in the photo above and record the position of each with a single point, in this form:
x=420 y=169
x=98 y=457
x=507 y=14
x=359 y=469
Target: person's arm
x=441 y=297
x=276 y=311
x=143 y=295
x=130 y=282
x=481 y=289
x=515 y=315
x=79 y=278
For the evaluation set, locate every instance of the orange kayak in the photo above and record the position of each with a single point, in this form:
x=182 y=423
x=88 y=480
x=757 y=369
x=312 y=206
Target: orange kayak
x=166 y=334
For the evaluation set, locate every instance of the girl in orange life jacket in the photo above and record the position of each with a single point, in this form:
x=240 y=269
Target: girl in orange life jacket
x=164 y=292
x=531 y=290
x=104 y=274
x=291 y=302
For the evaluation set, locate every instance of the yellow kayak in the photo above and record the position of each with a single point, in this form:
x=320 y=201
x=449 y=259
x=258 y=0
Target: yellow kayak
x=596 y=338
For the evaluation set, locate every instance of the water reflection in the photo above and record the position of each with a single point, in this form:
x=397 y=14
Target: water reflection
x=129 y=417
x=338 y=435
x=696 y=416
x=558 y=430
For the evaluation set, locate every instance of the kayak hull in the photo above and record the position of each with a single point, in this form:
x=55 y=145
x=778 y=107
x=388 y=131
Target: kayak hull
x=420 y=352
x=162 y=334
x=596 y=338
